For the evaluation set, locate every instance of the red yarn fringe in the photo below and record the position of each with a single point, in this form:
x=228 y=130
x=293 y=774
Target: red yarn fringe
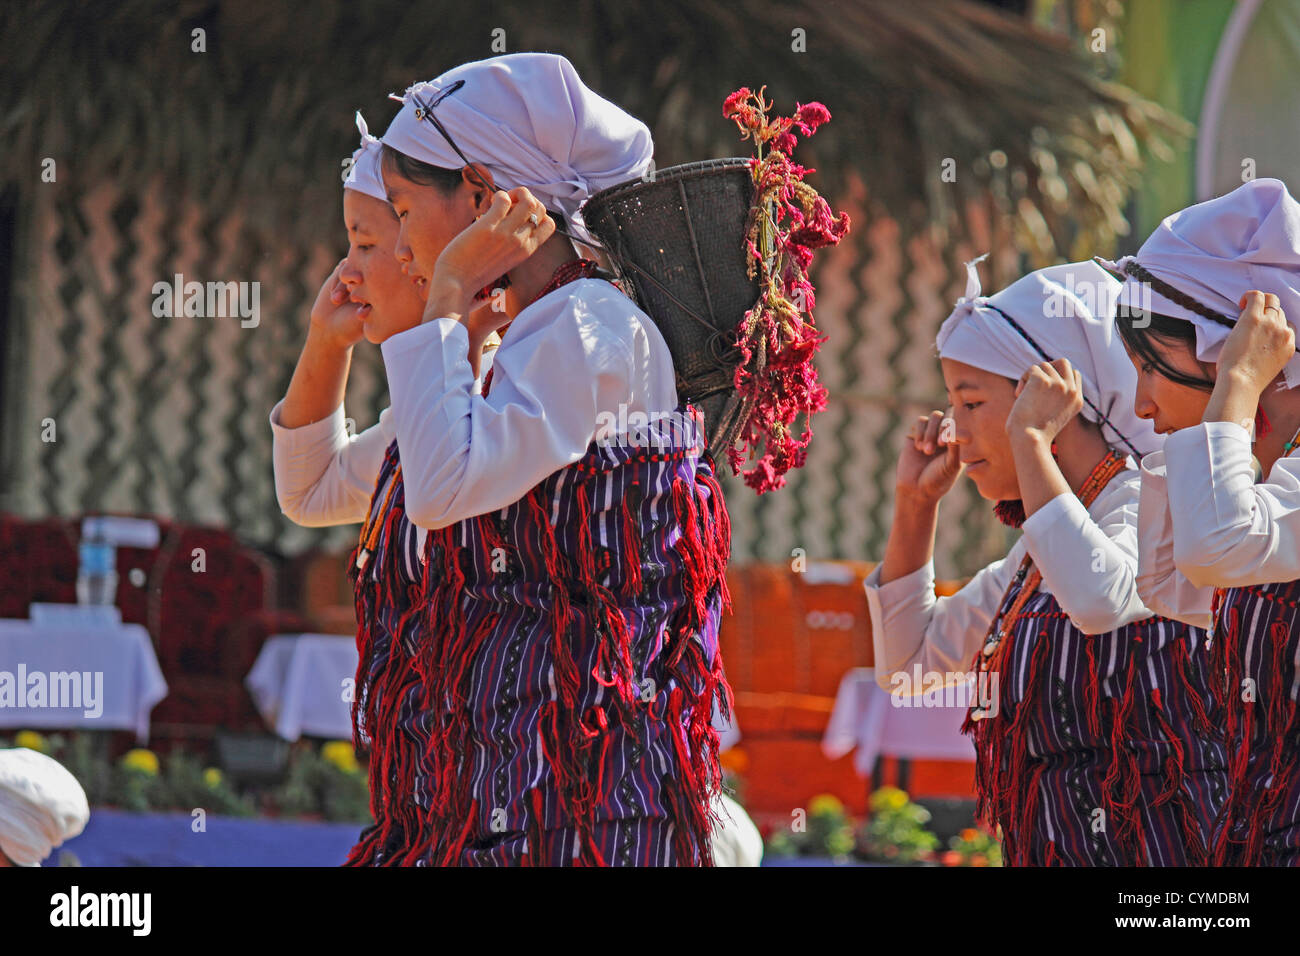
x=1007 y=788
x=1249 y=807
x=575 y=745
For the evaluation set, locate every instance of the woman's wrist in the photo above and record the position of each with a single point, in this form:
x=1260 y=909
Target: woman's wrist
x=1028 y=440
x=913 y=501
x=326 y=340
x=447 y=300
x=1234 y=399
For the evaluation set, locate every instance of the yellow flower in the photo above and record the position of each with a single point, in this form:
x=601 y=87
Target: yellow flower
x=141 y=759
x=212 y=777
x=32 y=741
x=824 y=803
x=888 y=798
x=341 y=755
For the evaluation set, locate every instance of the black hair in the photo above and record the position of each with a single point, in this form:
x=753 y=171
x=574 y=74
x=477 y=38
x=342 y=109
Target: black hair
x=444 y=180
x=1140 y=330
x=419 y=172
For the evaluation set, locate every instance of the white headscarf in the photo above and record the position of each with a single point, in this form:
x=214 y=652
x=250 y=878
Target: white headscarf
x=41 y=805
x=1067 y=310
x=363 y=172
x=1216 y=252
x=532 y=122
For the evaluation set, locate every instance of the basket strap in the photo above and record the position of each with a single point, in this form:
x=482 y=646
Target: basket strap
x=660 y=286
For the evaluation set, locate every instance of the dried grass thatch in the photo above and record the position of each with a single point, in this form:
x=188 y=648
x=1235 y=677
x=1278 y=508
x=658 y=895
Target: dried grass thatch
x=265 y=113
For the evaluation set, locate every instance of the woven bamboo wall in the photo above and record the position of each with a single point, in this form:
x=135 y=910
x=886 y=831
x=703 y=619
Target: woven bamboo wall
x=168 y=416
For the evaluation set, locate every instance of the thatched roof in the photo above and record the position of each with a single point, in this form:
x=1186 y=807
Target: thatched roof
x=266 y=111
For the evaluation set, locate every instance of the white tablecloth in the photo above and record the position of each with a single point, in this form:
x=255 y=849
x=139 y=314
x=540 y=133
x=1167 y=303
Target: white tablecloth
x=302 y=684
x=298 y=683
x=867 y=717
x=119 y=680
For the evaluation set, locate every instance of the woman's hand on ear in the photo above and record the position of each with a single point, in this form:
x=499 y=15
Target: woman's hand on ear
x=334 y=315
x=1048 y=395
x=500 y=239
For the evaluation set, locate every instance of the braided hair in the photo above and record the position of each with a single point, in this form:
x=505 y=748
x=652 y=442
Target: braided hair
x=1140 y=329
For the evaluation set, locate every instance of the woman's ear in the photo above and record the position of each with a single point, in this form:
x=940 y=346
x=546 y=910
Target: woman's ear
x=479 y=179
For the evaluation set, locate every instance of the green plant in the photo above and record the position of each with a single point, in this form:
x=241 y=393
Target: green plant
x=187 y=784
x=323 y=784
x=895 y=832
x=823 y=829
x=973 y=847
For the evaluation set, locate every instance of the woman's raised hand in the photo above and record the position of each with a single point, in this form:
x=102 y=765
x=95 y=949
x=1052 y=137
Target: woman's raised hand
x=335 y=317
x=1260 y=344
x=929 y=464
x=510 y=230
x=1048 y=395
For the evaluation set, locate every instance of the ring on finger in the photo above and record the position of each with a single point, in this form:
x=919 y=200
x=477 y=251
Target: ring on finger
x=532 y=218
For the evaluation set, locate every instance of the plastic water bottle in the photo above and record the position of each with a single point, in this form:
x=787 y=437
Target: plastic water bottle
x=97 y=574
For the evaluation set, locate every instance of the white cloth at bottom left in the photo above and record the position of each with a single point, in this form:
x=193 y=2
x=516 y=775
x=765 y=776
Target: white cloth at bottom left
x=41 y=806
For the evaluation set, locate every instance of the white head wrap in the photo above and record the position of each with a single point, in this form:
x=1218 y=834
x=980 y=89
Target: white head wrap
x=530 y=120
x=41 y=805
x=363 y=171
x=1216 y=252
x=1067 y=310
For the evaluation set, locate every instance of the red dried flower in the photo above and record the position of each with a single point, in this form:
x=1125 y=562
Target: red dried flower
x=778 y=339
x=785 y=143
x=809 y=116
x=732 y=103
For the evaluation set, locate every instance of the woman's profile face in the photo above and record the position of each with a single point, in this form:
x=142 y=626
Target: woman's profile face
x=981 y=402
x=1170 y=406
x=390 y=301
x=428 y=219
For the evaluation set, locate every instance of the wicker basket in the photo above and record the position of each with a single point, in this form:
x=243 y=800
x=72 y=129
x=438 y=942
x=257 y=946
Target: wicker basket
x=678 y=242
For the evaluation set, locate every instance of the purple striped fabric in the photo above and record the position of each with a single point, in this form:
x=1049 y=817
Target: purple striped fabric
x=498 y=580
x=1104 y=748
x=1256 y=644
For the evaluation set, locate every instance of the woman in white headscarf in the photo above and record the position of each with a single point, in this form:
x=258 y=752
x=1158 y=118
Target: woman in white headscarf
x=1208 y=313
x=1093 y=745
x=557 y=654
x=323 y=474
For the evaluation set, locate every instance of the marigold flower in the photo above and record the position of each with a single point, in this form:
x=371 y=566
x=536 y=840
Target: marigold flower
x=32 y=741
x=141 y=759
x=340 y=754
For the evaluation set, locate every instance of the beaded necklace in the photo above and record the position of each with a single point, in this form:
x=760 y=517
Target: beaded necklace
x=1028 y=578
x=373 y=523
x=1257 y=470
x=570 y=271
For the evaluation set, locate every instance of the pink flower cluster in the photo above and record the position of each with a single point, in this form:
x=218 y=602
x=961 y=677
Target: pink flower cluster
x=778 y=338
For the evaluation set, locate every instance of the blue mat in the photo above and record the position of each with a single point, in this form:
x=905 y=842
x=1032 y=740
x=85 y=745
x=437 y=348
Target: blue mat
x=118 y=838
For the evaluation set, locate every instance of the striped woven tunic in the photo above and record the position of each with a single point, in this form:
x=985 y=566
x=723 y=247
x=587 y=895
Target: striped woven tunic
x=1103 y=751
x=1103 y=747
x=537 y=683
x=1219 y=545
x=1256 y=645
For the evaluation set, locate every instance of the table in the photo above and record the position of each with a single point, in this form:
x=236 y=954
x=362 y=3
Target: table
x=298 y=683
x=302 y=684
x=93 y=678
x=868 y=718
